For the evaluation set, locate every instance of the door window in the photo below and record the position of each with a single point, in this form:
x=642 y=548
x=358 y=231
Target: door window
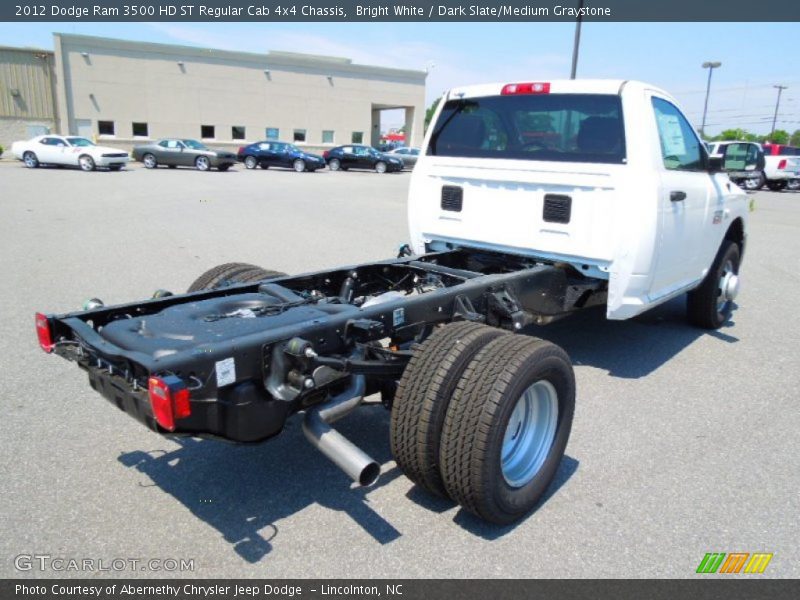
x=680 y=147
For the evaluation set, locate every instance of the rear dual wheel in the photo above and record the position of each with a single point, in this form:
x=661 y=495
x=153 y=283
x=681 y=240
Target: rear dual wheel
x=484 y=417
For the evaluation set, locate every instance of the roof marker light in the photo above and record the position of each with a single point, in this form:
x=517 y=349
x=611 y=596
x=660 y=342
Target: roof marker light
x=512 y=89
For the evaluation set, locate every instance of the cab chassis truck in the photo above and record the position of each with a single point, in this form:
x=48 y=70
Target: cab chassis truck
x=514 y=221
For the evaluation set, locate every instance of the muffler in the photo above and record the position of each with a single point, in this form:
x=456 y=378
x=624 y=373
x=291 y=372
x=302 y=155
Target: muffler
x=346 y=455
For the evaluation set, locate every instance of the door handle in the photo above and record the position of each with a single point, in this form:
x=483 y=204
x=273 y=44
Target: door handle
x=677 y=196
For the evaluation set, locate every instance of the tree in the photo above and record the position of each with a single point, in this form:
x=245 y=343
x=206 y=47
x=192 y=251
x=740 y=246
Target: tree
x=730 y=135
x=430 y=112
x=795 y=139
x=779 y=136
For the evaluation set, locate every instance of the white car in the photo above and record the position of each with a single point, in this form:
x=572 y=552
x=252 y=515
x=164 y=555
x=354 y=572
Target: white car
x=68 y=150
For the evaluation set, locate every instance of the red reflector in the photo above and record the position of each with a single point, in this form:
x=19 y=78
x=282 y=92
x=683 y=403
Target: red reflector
x=525 y=88
x=44 y=333
x=169 y=398
x=325 y=154
x=782 y=164
x=241 y=150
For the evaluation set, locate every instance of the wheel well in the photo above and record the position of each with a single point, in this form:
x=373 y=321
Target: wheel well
x=735 y=233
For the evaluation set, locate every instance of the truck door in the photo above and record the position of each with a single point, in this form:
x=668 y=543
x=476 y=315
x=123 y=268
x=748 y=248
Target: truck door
x=685 y=193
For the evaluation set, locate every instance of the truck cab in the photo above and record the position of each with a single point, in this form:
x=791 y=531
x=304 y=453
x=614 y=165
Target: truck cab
x=606 y=176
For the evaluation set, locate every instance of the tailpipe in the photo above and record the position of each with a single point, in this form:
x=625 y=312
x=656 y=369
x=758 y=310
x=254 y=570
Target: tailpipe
x=347 y=456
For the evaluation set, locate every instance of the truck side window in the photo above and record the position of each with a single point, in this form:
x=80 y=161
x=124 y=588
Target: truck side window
x=680 y=147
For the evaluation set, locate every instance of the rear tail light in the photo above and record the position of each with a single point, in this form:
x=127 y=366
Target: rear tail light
x=240 y=150
x=325 y=154
x=525 y=88
x=782 y=164
x=169 y=398
x=44 y=332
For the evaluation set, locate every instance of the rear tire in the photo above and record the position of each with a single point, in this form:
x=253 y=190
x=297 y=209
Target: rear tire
x=150 y=161
x=30 y=160
x=507 y=426
x=229 y=274
x=173 y=166
x=423 y=393
x=709 y=306
x=223 y=168
x=250 y=162
x=334 y=164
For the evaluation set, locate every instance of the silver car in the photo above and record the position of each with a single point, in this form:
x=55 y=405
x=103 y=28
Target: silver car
x=409 y=156
x=174 y=152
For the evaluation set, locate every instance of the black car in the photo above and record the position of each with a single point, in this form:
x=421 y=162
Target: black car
x=268 y=154
x=355 y=156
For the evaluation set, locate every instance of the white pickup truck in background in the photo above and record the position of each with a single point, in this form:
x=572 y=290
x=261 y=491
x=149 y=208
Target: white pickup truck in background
x=782 y=168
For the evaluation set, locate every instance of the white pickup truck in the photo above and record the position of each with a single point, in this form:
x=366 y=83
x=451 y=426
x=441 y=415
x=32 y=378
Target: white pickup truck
x=606 y=176
x=530 y=201
x=782 y=167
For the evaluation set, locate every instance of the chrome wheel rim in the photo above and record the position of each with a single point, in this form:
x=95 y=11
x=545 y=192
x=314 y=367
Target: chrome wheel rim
x=299 y=166
x=530 y=433
x=380 y=167
x=728 y=287
x=250 y=162
x=334 y=165
x=30 y=160
x=149 y=161
x=86 y=163
x=202 y=163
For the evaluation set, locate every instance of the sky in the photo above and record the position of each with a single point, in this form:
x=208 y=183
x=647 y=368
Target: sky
x=754 y=56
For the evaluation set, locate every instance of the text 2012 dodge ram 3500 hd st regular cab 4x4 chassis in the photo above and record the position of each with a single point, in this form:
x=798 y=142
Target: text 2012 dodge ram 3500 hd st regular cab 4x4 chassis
x=529 y=201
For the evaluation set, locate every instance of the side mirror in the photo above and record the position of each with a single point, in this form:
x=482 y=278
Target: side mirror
x=714 y=164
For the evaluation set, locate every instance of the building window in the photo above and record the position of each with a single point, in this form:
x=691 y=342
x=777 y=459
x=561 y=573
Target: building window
x=299 y=135
x=358 y=137
x=237 y=132
x=207 y=132
x=327 y=136
x=105 y=127
x=273 y=133
x=140 y=130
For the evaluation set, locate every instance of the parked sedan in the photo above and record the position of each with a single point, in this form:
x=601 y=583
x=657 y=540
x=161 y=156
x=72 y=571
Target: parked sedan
x=409 y=156
x=68 y=150
x=279 y=154
x=174 y=152
x=356 y=156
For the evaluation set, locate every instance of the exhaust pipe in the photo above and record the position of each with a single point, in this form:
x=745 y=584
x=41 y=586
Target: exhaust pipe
x=346 y=455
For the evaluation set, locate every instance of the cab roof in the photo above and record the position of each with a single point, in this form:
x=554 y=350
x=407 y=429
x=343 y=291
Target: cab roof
x=556 y=86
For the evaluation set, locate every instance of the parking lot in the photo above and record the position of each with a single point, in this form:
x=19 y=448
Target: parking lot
x=684 y=442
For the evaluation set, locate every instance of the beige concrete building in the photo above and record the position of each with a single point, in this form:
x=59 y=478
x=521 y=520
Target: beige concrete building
x=122 y=92
x=27 y=103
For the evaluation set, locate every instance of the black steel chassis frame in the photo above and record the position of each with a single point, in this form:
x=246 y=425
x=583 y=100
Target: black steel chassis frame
x=293 y=367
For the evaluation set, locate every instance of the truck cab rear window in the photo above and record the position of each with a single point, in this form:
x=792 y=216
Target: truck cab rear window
x=549 y=127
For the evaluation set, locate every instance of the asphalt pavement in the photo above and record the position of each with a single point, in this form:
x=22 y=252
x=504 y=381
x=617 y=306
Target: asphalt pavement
x=684 y=442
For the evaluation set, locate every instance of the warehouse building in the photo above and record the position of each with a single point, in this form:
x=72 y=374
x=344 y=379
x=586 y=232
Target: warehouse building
x=122 y=92
x=27 y=103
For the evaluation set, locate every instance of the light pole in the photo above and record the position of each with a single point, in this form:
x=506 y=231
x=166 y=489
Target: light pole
x=577 y=41
x=777 y=104
x=710 y=65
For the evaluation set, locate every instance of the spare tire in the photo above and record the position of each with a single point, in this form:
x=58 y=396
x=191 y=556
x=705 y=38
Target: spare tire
x=229 y=274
